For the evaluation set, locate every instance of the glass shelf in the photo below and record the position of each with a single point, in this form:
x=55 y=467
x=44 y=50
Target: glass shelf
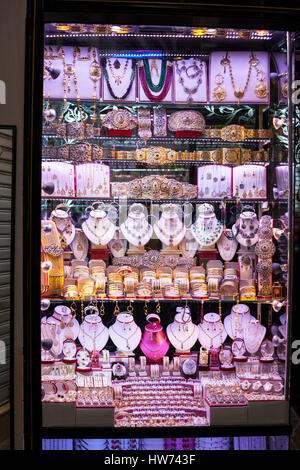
x=173 y=140
x=116 y=162
x=160 y=299
x=46 y=200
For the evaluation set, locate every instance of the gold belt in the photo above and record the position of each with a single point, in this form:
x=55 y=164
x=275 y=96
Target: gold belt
x=81 y=152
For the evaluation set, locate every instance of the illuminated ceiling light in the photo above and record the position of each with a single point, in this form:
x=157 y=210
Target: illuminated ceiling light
x=262 y=33
x=120 y=29
x=62 y=27
x=199 y=32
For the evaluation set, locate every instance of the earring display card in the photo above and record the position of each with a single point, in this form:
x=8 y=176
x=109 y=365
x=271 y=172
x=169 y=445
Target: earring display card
x=62 y=175
x=92 y=180
x=239 y=77
x=190 y=81
x=250 y=181
x=158 y=74
x=119 y=80
x=282 y=180
x=72 y=70
x=214 y=181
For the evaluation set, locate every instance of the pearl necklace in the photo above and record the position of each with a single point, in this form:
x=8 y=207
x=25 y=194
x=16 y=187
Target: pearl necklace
x=253 y=339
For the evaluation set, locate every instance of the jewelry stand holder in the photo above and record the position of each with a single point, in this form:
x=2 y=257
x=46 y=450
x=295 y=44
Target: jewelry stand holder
x=131 y=367
x=170 y=250
x=214 y=359
x=166 y=366
x=105 y=359
x=207 y=253
x=135 y=250
x=99 y=252
x=142 y=369
x=176 y=367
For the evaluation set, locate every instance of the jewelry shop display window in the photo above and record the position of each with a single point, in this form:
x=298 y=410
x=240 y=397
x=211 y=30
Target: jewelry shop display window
x=165 y=226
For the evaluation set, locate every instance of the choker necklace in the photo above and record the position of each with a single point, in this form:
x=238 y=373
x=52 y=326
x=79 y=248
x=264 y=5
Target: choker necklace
x=135 y=232
x=197 y=74
x=171 y=236
x=118 y=78
x=180 y=340
x=123 y=337
x=165 y=87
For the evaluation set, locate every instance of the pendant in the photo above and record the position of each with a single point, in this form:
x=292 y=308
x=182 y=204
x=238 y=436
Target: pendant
x=117 y=64
x=219 y=93
x=261 y=90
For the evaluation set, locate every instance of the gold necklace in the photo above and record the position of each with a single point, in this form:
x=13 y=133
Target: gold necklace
x=186 y=339
x=238 y=91
x=123 y=337
x=99 y=237
x=210 y=337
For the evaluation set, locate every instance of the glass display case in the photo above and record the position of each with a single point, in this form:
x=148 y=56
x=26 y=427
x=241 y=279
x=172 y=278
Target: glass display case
x=166 y=224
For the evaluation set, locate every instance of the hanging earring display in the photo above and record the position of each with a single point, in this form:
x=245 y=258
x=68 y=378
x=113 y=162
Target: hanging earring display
x=261 y=89
x=219 y=92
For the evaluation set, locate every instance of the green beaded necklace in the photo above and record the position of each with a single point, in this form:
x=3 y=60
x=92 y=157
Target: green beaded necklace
x=159 y=86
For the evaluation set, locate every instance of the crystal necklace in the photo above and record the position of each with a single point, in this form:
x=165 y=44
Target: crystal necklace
x=172 y=235
x=180 y=340
x=136 y=233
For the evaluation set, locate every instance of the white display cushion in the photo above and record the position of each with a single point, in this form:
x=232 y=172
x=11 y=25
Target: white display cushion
x=92 y=180
x=141 y=94
x=55 y=88
x=62 y=175
x=201 y=95
x=251 y=186
x=120 y=90
x=240 y=67
x=214 y=181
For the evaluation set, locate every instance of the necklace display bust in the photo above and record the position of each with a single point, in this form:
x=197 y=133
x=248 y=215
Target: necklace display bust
x=235 y=322
x=169 y=229
x=207 y=229
x=246 y=229
x=65 y=228
x=125 y=333
x=212 y=333
x=154 y=342
x=68 y=326
x=98 y=228
x=183 y=333
x=93 y=334
x=136 y=229
x=254 y=334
